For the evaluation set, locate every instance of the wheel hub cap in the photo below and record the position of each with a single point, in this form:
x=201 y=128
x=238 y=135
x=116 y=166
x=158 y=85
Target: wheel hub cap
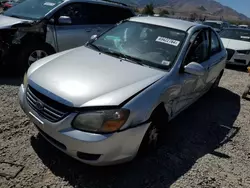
x=36 y=55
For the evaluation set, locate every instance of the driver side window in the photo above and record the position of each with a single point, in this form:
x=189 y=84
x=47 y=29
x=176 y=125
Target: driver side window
x=198 y=51
x=75 y=12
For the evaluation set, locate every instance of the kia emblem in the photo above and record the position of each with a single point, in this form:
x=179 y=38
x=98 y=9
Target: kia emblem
x=39 y=105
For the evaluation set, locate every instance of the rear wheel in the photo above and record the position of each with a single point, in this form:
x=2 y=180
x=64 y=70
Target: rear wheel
x=217 y=81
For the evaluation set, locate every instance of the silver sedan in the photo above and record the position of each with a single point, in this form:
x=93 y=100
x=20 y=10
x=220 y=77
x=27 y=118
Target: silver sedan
x=105 y=102
x=237 y=44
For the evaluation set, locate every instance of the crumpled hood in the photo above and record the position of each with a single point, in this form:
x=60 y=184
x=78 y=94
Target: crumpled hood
x=84 y=77
x=7 y=22
x=235 y=44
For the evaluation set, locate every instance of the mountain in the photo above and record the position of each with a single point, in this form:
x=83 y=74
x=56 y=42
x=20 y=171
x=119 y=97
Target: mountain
x=208 y=8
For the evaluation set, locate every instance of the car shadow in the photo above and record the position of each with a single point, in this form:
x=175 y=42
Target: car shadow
x=197 y=131
x=237 y=68
x=8 y=77
x=13 y=81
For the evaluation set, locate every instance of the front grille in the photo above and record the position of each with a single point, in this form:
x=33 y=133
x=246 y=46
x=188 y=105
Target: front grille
x=46 y=107
x=242 y=61
x=230 y=53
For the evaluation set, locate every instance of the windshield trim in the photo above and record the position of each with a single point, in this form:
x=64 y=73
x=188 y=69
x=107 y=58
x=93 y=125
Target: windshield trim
x=168 y=68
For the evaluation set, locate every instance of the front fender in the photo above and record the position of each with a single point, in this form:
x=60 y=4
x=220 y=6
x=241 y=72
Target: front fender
x=142 y=106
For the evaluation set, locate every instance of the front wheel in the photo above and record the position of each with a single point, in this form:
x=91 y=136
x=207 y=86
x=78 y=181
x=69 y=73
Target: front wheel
x=31 y=53
x=150 y=139
x=36 y=55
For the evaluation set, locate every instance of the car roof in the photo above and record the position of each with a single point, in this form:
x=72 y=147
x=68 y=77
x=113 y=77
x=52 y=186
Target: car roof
x=165 y=22
x=106 y=2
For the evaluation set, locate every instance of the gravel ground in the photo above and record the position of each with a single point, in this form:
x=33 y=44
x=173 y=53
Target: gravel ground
x=207 y=145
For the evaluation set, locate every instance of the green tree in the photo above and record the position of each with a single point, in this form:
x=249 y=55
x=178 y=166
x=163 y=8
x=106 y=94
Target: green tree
x=148 y=9
x=163 y=12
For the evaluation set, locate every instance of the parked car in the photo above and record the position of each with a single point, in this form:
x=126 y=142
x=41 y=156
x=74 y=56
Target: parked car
x=217 y=25
x=237 y=44
x=34 y=29
x=104 y=102
x=233 y=26
x=244 y=26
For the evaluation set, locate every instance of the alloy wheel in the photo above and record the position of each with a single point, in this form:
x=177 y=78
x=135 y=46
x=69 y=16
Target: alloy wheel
x=36 y=55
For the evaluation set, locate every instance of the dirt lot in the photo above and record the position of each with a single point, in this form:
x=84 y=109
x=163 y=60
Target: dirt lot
x=208 y=145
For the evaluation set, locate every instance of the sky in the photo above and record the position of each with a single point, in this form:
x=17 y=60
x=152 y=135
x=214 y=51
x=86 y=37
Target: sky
x=242 y=6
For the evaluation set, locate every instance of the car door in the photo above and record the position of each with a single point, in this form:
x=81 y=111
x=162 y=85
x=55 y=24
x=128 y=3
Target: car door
x=216 y=60
x=76 y=33
x=192 y=86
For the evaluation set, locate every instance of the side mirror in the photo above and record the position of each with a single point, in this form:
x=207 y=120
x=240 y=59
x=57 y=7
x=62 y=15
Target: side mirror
x=194 y=69
x=93 y=37
x=64 y=20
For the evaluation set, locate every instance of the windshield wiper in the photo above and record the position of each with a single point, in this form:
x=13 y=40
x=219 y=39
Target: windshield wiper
x=14 y=16
x=125 y=57
x=137 y=60
x=94 y=46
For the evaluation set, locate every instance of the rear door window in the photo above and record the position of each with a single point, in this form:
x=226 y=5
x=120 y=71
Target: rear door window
x=199 y=49
x=104 y=14
x=215 y=44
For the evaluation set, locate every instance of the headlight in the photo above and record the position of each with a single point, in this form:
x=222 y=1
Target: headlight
x=243 y=51
x=105 y=121
x=25 y=80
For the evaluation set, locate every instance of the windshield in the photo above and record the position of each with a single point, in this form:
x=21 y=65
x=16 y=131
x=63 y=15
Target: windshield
x=32 y=9
x=213 y=25
x=236 y=34
x=145 y=44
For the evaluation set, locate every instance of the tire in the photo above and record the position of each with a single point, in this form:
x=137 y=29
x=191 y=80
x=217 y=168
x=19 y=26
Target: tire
x=159 y=121
x=29 y=50
x=216 y=82
x=150 y=140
